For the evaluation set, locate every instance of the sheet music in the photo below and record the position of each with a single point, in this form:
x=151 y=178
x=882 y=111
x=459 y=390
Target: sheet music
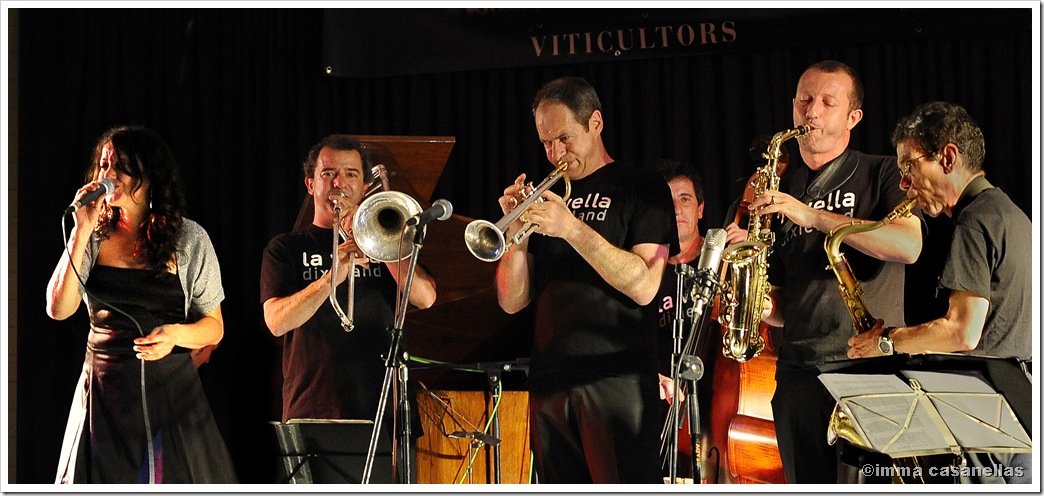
x=947 y=382
x=978 y=417
x=845 y=385
x=899 y=421
x=897 y=424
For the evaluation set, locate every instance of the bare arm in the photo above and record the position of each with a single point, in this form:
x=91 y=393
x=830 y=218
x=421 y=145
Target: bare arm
x=208 y=330
x=290 y=312
x=283 y=313
x=63 y=290
x=959 y=330
x=422 y=290
x=899 y=241
x=513 y=269
x=635 y=273
x=513 y=278
x=770 y=311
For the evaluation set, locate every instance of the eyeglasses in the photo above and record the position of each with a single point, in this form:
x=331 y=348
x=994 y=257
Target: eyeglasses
x=904 y=168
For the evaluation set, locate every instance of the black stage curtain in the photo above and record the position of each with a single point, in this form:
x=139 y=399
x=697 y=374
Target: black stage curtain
x=240 y=95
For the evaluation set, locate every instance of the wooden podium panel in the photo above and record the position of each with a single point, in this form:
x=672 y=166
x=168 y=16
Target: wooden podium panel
x=442 y=460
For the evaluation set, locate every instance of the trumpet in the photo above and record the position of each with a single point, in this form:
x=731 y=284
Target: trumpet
x=489 y=241
x=380 y=231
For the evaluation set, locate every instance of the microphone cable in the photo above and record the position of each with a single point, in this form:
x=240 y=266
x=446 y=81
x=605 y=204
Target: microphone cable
x=144 y=403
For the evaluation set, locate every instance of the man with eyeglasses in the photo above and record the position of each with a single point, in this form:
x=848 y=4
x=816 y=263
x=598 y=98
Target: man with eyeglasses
x=988 y=270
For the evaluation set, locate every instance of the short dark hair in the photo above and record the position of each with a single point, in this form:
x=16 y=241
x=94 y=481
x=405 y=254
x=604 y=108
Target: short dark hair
x=932 y=125
x=671 y=169
x=575 y=93
x=342 y=142
x=855 y=97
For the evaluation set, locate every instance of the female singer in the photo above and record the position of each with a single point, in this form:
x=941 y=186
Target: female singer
x=152 y=285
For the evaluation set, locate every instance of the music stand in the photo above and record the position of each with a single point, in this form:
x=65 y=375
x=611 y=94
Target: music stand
x=329 y=451
x=954 y=404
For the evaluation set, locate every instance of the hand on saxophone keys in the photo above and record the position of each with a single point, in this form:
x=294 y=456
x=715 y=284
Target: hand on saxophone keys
x=867 y=344
x=776 y=202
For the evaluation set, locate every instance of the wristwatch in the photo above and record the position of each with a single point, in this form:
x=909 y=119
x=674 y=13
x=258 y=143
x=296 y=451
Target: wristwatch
x=885 y=343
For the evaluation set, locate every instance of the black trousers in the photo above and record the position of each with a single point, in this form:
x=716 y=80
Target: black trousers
x=801 y=408
x=603 y=432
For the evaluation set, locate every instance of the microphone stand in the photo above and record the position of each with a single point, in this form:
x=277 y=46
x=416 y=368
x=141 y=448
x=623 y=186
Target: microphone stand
x=685 y=365
x=684 y=272
x=395 y=361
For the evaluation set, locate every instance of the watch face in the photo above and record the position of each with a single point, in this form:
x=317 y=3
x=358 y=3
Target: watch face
x=885 y=345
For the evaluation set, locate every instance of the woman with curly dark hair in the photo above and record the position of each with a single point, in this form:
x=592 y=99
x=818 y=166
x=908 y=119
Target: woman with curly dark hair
x=152 y=285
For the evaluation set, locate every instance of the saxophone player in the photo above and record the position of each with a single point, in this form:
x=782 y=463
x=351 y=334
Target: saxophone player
x=835 y=186
x=987 y=270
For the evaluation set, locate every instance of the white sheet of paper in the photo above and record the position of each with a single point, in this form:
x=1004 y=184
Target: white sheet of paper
x=950 y=383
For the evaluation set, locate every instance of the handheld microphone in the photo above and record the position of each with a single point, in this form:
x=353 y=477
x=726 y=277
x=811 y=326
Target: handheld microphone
x=440 y=210
x=708 y=269
x=106 y=187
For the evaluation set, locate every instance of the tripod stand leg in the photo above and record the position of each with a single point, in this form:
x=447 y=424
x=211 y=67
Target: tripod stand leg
x=371 y=452
x=694 y=434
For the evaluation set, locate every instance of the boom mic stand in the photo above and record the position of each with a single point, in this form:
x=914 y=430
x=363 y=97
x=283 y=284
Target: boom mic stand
x=395 y=361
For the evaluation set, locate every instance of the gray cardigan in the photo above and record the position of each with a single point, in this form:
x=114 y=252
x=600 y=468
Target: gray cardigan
x=197 y=268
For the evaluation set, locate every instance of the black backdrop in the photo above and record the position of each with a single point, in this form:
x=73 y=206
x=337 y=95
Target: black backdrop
x=240 y=95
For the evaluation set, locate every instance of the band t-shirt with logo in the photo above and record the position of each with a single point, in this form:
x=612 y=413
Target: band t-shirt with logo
x=585 y=328
x=329 y=373
x=818 y=324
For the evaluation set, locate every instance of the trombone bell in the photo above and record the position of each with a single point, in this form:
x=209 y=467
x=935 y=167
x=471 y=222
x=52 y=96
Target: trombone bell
x=378 y=226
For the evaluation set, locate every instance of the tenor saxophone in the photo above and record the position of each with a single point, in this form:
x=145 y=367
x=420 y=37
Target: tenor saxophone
x=848 y=284
x=745 y=287
x=840 y=425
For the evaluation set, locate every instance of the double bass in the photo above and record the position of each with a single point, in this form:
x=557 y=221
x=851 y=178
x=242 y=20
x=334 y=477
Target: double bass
x=742 y=427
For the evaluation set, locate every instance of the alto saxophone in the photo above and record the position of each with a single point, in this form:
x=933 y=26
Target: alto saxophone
x=848 y=284
x=747 y=285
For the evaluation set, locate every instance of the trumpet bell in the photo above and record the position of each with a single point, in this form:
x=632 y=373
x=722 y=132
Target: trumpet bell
x=378 y=226
x=484 y=240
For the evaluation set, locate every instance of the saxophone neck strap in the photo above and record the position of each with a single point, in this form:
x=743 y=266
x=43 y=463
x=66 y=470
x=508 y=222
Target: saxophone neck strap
x=831 y=177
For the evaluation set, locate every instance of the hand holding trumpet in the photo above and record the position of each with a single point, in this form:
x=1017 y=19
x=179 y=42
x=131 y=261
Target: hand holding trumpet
x=489 y=241
x=545 y=218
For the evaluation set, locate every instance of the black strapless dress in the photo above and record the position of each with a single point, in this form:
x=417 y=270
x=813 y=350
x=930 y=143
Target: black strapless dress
x=106 y=438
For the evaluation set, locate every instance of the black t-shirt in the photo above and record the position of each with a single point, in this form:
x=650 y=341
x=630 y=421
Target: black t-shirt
x=991 y=256
x=585 y=328
x=817 y=322
x=329 y=373
x=663 y=313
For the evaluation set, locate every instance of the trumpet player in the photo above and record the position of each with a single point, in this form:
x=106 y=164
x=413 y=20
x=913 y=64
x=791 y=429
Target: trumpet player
x=835 y=185
x=329 y=373
x=987 y=269
x=593 y=263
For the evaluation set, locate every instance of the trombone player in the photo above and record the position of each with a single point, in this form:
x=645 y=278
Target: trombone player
x=329 y=373
x=596 y=261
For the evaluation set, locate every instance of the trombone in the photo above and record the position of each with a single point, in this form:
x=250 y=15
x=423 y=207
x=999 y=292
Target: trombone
x=489 y=241
x=378 y=227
